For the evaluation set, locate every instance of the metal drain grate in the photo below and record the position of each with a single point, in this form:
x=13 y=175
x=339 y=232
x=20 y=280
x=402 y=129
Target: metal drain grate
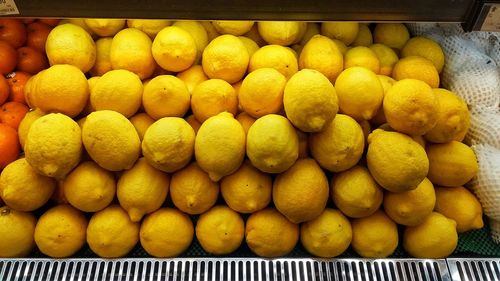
x=222 y=269
x=474 y=269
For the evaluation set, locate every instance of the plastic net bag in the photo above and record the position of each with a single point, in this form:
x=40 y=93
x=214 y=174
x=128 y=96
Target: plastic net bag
x=484 y=127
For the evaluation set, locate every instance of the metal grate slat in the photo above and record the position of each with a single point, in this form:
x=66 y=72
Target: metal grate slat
x=484 y=269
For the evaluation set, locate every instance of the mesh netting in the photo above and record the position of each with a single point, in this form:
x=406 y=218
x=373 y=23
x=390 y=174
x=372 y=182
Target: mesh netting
x=484 y=126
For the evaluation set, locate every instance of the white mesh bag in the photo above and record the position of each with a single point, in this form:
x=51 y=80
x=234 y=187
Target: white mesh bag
x=484 y=127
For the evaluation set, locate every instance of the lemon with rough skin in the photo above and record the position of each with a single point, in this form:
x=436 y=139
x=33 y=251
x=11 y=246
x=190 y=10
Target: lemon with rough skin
x=250 y=45
x=451 y=164
x=328 y=235
x=199 y=34
x=23 y=189
x=192 y=191
x=25 y=124
x=386 y=83
x=220 y=230
x=360 y=92
x=233 y=27
x=364 y=37
x=60 y=232
x=247 y=190
x=210 y=29
x=166 y=233
x=195 y=124
x=168 y=144
x=415 y=67
x=386 y=56
x=246 y=121
x=312 y=112
x=226 y=58
x=343 y=31
x=148 y=26
x=119 y=90
x=434 y=238
x=411 y=107
x=301 y=192
x=111 y=233
x=340 y=145
x=174 y=49
x=356 y=193
x=212 y=97
x=142 y=189
x=270 y=234
x=192 y=77
x=393 y=35
x=312 y=29
x=321 y=53
x=362 y=56
x=277 y=57
x=17 y=230
x=54 y=145
x=254 y=34
x=282 y=33
x=411 y=207
x=111 y=140
x=272 y=144
x=460 y=205
x=166 y=90
x=453 y=118
x=70 y=44
x=427 y=48
x=105 y=27
x=375 y=236
x=102 y=62
x=396 y=161
x=141 y=122
x=89 y=187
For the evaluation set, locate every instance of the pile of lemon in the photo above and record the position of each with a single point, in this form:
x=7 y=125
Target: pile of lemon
x=277 y=120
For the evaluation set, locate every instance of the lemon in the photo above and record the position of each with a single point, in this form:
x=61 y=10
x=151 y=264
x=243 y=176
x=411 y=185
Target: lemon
x=105 y=27
x=277 y=57
x=250 y=45
x=386 y=56
x=453 y=119
x=168 y=144
x=210 y=29
x=415 y=67
x=261 y=92
x=61 y=89
x=246 y=121
x=312 y=29
x=312 y=112
x=435 y=238
x=272 y=144
x=118 y=90
x=166 y=233
x=195 y=124
x=269 y=234
x=174 y=49
x=111 y=233
x=393 y=35
x=364 y=37
x=162 y=90
x=386 y=83
x=220 y=145
x=29 y=89
x=360 y=93
x=25 y=124
x=141 y=122
x=396 y=161
x=233 y=27
x=321 y=53
x=427 y=48
x=226 y=58
x=301 y=192
x=362 y=56
x=341 y=46
x=78 y=21
x=220 y=230
x=142 y=189
x=460 y=205
x=149 y=26
x=192 y=77
x=17 y=230
x=366 y=127
x=111 y=140
x=343 y=31
x=282 y=33
x=451 y=164
x=192 y=191
x=89 y=187
x=54 y=145
x=198 y=32
x=411 y=207
x=23 y=189
x=102 y=63
x=58 y=196
x=375 y=236
x=328 y=235
x=60 y=232
x=131 y=50
x=410 y=107
x=254 y=34
x=212 y=97
x=340 y=145
x=70 y=44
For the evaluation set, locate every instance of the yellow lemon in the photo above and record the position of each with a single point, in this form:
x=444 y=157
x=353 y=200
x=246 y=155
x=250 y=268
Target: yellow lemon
x=210 y=29
x=166 y=233
x=460 y=205
x=78 y=21
x=226 y=58
x=415 y=67
x=321 y=53
x=312 y=29
x=386 y=57
x=198 y=32
x=17 y=230
x=282 y=33
x=141 y=122
x=102 y=62
x=451 y=164
x=396 y=161
x=364 y=37
x=343 y=31
x=25 y=124
x=435 y=238
x=148 y=26
x=362 y=56
x=277 y=57
x=245 y=120
x=220 y=230
x=162 y=90
x=411 y=207
x=303 y=144
x=233 y=27
x=195 y=124
x=366 y=127
x=192 y=191
x=270 y=234
x=393 y=35
x=341 y=46
x=174 y=49
x=427 y=48
x=254 y=34
x=60 y=232
x=250 y=45
x=212 y=97
x=328 y=235
x=386 y=83
x=192 y=77
x=111 y=233
x=105 y=27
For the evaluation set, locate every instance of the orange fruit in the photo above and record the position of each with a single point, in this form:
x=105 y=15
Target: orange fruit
x=37 y=35
x=12 y=113
x=8 y=57
x=31 y=60
x=4 y=89
x=13 y=31
x=9 y=145
x=17 y=80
